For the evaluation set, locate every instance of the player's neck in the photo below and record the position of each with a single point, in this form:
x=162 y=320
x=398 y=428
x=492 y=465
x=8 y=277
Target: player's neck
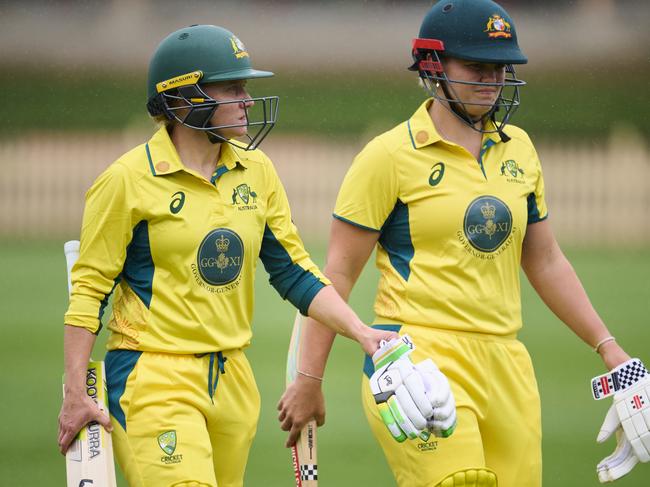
x=195 y=150
x=454 y=130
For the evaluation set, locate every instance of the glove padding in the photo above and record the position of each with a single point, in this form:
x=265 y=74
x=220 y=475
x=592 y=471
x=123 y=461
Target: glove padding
x=629 y=418
x=413 y=400
x=442 y=422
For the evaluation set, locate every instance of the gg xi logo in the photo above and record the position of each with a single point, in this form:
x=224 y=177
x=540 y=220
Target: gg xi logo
x=487 y=223
x=220 y=257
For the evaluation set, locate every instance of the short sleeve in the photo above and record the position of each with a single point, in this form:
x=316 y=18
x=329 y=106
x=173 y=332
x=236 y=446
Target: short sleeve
x=537 y=210
x=370 y=188
x=107 y=229
x=291 y=271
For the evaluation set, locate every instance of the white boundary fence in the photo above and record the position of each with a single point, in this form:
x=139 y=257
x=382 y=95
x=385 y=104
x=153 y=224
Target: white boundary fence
x=598 y=193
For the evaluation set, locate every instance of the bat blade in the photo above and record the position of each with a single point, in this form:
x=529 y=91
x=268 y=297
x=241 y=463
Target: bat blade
x=89 y=459
x=304 y=452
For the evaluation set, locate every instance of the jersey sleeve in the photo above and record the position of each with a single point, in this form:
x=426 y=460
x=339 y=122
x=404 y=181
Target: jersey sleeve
x=107 y=229
x=537 y=210
x=291 y=271
x=369 y=190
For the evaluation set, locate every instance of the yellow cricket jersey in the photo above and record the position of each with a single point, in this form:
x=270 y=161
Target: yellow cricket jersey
x=451 y=227
x=181 y=251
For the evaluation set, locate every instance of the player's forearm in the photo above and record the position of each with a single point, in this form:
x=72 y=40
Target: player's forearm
x=349 y=250
x=316 y=345
x=318 y=338
x=559 y=287
x=77 y=344
x=329 y=309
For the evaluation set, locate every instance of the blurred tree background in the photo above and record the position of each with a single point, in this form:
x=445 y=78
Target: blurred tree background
x=563 y=103
x=340 y=66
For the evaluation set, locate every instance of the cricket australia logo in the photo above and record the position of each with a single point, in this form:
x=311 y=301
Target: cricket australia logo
x=497 y=27
x=238 y=48
x=244 y=198
x=512 y=172
x=220 y=257
x=167 y=443
x=488 y=223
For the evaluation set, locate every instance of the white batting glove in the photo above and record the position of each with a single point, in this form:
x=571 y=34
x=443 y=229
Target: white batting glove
x=629 y=418
x=442 y=422
x=413 y=400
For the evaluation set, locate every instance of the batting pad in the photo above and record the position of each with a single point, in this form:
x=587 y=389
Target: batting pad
x=479 y=477
x=191 y=483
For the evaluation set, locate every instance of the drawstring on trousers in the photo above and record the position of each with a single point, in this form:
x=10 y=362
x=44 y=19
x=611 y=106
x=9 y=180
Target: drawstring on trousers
x=221 y=369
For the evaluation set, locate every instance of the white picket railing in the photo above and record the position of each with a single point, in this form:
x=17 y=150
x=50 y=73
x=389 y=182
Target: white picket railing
x=598 y=192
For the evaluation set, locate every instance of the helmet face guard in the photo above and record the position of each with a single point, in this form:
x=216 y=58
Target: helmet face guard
x=428 y=62
x=187 y=103
x=198 y=55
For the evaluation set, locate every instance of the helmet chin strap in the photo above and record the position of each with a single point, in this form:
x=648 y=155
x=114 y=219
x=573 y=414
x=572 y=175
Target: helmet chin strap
x=458 y=108
x=215 y=138
x=504 y=137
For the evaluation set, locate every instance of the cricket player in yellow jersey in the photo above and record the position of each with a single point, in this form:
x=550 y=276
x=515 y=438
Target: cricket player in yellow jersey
x=174 y=229
x=453 y=201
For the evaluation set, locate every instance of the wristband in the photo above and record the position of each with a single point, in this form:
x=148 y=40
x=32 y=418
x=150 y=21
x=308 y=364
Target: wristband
x=391 y=351
x=319 y=379
x=603 y=342
x=619 y=379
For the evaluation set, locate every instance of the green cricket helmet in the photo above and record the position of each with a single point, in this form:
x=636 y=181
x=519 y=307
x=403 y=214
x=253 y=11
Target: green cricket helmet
x=198 y=55
x=472 y=30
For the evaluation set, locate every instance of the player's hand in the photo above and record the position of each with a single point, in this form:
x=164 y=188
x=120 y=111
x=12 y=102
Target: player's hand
x=628 y=417
x=372 y=339
x=76 y=412
x=301 y=402
x=413 y=400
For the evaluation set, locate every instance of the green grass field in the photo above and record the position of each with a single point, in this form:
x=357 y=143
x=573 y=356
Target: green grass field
x=34 y=300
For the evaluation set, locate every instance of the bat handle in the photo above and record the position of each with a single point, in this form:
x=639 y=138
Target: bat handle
x=71 y=250
x=296 y=465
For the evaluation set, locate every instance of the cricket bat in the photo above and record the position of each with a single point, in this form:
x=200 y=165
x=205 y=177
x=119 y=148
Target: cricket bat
x=89 y=459
x=303 y=453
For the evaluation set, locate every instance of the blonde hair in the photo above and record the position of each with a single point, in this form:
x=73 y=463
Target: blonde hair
x=161 y=120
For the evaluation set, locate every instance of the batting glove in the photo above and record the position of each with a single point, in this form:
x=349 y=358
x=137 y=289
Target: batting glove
x=629 y=418
x=442 y=422
x=413 y=400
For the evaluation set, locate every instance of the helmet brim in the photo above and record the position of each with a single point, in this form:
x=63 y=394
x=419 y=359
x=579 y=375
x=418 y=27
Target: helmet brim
x=247 y=73
x=490 y=55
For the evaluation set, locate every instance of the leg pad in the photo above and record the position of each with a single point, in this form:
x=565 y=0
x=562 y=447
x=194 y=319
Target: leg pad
x=191 y=483
x=473 y=477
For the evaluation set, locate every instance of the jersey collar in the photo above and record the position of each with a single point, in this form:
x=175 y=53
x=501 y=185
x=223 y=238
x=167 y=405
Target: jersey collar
x=163 y=157
x=494 y=135
x=231 y=157
x=423 y=132
x=420 y=126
